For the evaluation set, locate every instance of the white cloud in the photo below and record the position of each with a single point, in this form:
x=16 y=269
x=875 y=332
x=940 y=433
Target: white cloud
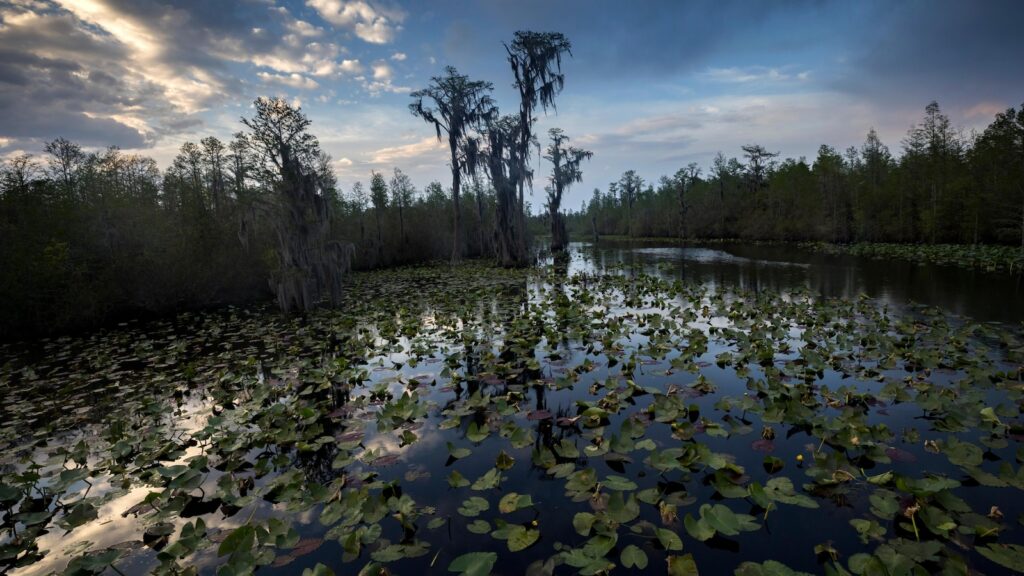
x=297 y=81
x=381 y=71
x=398 y=56
x=351 y=66
x=393 y=155
x=303 y=28
x=371 y=24
x=381 y=82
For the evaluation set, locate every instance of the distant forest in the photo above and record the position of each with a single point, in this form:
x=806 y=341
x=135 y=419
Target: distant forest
x=92 y=237
x=941 y=187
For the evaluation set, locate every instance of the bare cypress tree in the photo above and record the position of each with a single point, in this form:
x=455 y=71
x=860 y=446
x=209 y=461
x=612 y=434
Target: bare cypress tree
x=310 y=267
x=460 y=106
x=566 y=161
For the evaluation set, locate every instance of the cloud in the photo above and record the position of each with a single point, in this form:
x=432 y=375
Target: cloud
x=188 y=88
x=130 y=73
x=752 y=74
x=398 y=56
x=301 y=27
x=381 y=81
x=370 y=23
x=985 y=110
x=427 y=148
x=351 y=66
x=297 y=81
x=381 y=71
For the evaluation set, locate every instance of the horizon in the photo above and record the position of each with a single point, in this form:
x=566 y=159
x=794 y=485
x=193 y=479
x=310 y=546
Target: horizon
x=651 y=89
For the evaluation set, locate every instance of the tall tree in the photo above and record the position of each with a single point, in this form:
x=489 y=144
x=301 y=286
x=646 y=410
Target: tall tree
x=213 y=163
x=379 y=199
x=876 y=162
x=682 y=181
x=66 y=162
x=758 y=163
x=828 y=167
x=536 y=61
x=359 y=203
x=310 y=266
x=565 y=161
x=402 y=191
x=629 y=187
x=456 y=106
x=502 y=162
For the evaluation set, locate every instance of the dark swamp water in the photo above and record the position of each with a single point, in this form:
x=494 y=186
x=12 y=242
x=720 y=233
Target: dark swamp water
x=637 y=409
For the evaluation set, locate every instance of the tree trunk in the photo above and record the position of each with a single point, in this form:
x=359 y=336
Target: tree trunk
x=507 y=224
x=559 y=235
x=682 y=212
x=480 y=218
x=721 y=207
x=457 y=232
x=593 y=224
x=629 y=219
x=401 y=228
x=380 y=238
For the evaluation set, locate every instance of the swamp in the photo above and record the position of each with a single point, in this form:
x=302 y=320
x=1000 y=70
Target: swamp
x=380 y=288
x=632 y=406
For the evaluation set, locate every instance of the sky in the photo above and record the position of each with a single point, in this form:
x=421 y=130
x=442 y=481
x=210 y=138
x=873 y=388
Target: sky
x=650 y=86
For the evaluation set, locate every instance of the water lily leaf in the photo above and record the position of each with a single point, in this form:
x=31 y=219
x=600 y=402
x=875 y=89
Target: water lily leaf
x=318 y=570
x=457 y=480
x=1006 y=555
x=619 y=483
x=489 y=480
x=698 y=528
x=633 y=557
x=436 y=523
x=963 y=453
x=479 y=526
x=521 y=537
x=725 y=521
x=80 y=514
x=504 y=461
x=458 y=453
x=669 y=540
x=241 y=539
x=474 y=563
x=682 y=565
x=768 y=568
x=473 y=506
x=512 y=501
x=773 y=464
x=477 y=433
x=582 y=522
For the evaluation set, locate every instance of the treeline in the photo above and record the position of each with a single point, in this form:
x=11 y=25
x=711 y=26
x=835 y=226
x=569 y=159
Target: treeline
x=942 y=187
x=90 y=237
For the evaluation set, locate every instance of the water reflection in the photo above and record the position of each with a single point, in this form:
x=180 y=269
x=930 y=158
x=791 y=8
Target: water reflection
x=983 y=296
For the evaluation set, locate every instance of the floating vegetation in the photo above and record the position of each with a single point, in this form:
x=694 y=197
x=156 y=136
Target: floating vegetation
x=473 y=420
x=989 y=257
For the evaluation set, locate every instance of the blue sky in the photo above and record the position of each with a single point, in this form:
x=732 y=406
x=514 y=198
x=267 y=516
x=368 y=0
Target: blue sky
x=651 y=86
